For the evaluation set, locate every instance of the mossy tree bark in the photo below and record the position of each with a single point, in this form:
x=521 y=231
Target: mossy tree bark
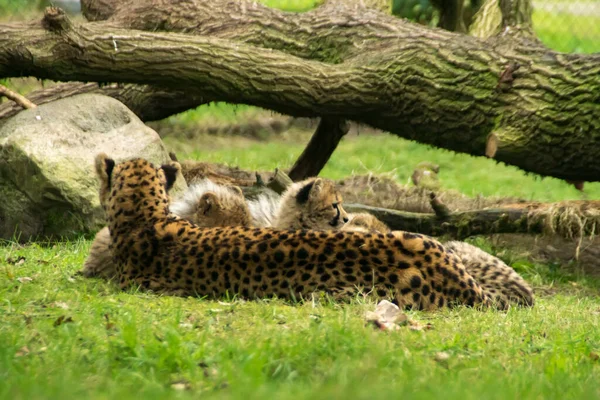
x=432 y=86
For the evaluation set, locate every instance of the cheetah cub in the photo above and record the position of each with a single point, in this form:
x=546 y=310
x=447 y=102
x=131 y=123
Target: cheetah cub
x=208 y=204
x=314 y=203
x=205 y=204
x=364 y=222
x=502 y=283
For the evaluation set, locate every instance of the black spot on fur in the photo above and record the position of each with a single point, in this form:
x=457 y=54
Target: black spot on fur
x=415 y=282
x=403 y=265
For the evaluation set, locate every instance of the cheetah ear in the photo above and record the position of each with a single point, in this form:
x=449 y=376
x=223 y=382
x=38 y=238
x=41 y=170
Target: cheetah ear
x=104 y=167
x=171 y=170
x=309 y=190
x=318 y=186
x=173 y=156
x=207 y=201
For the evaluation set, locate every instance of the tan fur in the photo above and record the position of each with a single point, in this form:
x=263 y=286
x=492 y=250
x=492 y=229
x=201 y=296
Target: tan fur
x=208 y=204
x=502 y=283
x=160 y=251
x=263 y=209
x=99 y=262
x=364 y=222
x=314 y=203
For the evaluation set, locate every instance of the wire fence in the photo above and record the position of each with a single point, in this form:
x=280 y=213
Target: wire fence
x=563 y=25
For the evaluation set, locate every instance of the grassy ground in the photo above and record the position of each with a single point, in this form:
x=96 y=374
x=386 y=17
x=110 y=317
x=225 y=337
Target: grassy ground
x=69 y=337
x=62 y=336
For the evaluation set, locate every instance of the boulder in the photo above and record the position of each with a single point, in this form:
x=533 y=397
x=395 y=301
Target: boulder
x=48 y=185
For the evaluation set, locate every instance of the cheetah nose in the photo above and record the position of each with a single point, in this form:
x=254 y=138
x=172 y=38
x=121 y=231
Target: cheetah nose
x=346 y=219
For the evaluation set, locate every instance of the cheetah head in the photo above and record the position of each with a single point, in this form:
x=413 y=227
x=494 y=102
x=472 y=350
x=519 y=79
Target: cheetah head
x=134 y=188
x=216 y=210
x=314 y=203
x=208 y=204
x=365 y=222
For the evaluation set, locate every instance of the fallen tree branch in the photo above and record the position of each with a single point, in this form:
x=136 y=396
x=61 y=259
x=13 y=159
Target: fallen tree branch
x=427 y=85
x=457 y=225
x=149 y=103
x=16 y=97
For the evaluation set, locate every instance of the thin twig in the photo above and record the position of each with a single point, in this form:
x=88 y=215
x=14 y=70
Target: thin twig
x=16 y=97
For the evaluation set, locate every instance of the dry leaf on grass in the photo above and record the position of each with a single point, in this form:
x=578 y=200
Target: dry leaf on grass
x=62 y=320
x=594 y=356
x=416 y=326
x=181 y=385
x=441 y=356
x=60 y=304
x=16 y=261
x=109 y=325
x=24 y=279
x=23 y=351
x=387 y=316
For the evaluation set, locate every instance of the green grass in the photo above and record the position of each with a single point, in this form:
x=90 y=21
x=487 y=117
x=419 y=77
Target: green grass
x=132 y=345
x=135 y=345
x=567 y=32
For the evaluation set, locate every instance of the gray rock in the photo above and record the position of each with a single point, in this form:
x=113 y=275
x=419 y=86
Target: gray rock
x=48 y=186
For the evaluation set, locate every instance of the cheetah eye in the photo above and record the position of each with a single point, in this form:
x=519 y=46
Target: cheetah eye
x=335 y=205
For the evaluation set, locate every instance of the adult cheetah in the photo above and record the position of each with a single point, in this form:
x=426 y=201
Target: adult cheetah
x=159 y=251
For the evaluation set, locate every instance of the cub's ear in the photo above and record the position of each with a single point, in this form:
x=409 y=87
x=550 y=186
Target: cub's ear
x=238 y=191
x=207 y=201
x=318 y=186
x=170 y=170
x=104 y=167
x=307 y=191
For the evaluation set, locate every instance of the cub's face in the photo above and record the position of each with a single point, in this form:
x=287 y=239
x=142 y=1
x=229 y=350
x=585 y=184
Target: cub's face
x=222 y=210
x=364 y=222
x=320 y=204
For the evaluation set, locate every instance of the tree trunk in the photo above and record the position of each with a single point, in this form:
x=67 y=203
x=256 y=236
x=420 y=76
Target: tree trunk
x=432 y=86
x=451 y=15
x=494 y=16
